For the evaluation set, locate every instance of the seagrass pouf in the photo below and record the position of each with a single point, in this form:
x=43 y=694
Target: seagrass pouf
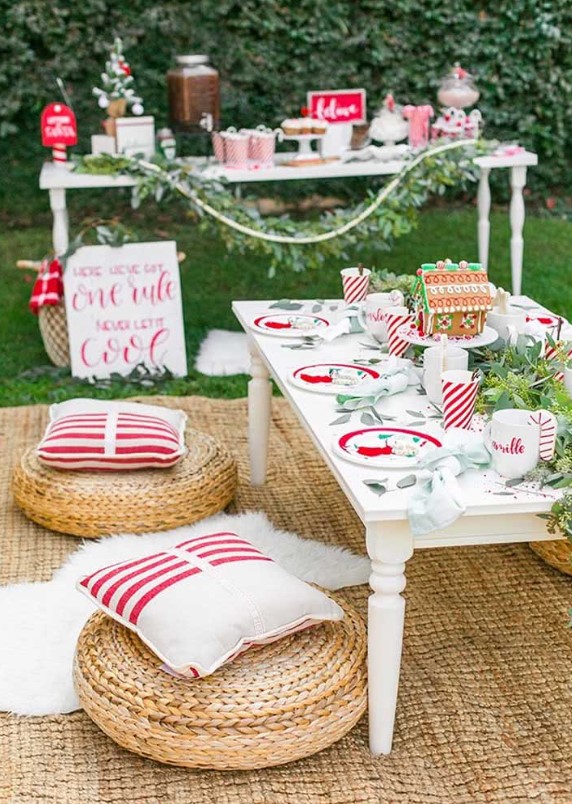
x=93 y=504
x=271 y=705
x=556 y=552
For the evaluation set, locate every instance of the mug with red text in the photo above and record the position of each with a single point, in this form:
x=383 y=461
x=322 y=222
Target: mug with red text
x=371 y=315
x=518 y=439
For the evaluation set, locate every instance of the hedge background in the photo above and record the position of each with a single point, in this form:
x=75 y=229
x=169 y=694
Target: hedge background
x=269 y=53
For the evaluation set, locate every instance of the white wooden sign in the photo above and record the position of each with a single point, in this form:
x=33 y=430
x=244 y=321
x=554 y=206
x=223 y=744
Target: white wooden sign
x=123 y=308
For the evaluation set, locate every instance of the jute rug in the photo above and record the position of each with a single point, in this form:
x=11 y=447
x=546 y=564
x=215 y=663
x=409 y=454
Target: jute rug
x=485 y=701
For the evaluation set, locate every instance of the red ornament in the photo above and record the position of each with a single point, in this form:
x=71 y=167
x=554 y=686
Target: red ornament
x=304 y=111
x=58 y=125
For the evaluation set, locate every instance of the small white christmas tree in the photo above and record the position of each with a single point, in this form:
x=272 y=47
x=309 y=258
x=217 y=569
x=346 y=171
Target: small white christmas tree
x=117 y=82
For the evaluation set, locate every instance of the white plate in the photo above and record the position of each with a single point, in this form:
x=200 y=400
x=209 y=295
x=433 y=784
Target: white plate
x=320 y=377
x=487 y=336
x=364 y=446
x=289 y=325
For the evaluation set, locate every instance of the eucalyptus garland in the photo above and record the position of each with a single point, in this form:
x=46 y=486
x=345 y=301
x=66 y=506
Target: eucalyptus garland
x=383 y=215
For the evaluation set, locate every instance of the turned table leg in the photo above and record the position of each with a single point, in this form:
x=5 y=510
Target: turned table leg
x=517 y=184
x=60 y=232
x=259 y=404
x=389 y=545
x=484 y=225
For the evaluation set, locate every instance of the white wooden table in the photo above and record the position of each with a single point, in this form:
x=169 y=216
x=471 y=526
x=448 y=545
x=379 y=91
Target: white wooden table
x=56 y=180
x=491 y=517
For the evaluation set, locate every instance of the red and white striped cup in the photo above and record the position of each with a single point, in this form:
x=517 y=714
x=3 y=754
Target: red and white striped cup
x=262 y=147
x=236 y=150
x=518 y=439
x=395 y=318
x=560 y=353
x=459 y=397
x=355 y=284
x=218 y=145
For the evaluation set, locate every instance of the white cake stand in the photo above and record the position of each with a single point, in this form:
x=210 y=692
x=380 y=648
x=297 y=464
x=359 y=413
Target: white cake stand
x=305 y=151
x=486 y=337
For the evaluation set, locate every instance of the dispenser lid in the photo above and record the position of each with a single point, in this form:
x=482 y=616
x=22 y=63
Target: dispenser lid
x=192 y=60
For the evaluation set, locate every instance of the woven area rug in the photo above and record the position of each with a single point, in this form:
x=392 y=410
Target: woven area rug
x=485 y=701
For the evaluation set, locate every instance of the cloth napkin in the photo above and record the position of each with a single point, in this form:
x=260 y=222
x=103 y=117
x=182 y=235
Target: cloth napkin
x=48 y=287
x=395 y=376
x=435 y=502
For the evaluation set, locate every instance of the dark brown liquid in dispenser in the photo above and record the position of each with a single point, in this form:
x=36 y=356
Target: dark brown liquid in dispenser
x=194 y=90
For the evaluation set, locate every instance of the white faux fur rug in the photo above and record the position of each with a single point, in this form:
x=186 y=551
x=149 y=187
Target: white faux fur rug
x=223 y=353
x=40 y=622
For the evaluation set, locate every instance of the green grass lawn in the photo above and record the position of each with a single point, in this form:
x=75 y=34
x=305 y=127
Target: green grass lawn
x=212 y=279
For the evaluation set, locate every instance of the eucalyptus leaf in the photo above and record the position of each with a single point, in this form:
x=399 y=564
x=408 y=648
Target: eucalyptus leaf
x=317 y=308
x=367 y=419
x=407 y=481
x=416 y=414
x=514 y=481
x=286 y=304
x=341 y=420
x=377 y=488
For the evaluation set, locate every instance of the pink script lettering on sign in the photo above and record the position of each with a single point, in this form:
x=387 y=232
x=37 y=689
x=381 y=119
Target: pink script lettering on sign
x=516 y=447
x=136 y=350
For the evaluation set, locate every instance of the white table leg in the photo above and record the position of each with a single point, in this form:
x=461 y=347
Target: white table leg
x=517 y=184
x=60 y=234
x=389 y=545
x=259 y=404
x=484 y=208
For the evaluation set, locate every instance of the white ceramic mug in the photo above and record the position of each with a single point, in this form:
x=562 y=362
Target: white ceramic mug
x=435 y=361
x=518 y=439
x=371 y=315
x=509 y=325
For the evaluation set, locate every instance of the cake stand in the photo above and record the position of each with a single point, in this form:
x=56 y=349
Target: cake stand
x=486 y=337
x=305 y=151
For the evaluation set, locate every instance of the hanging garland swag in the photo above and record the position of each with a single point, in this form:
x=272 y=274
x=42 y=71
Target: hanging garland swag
x=154 y=178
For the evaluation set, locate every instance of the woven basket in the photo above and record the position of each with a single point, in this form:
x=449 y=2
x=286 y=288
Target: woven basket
x=92 y=504
x=270 y=706
x=557 y=553
x=54 y=330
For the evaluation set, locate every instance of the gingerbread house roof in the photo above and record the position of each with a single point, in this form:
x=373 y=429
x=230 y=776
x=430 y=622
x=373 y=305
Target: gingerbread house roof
x=447 y=287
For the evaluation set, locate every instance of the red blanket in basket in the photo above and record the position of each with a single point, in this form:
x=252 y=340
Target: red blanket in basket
x=49 y=286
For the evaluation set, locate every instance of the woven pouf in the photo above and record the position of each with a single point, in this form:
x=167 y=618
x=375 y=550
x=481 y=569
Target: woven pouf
x=53 y=325
x=270 y=706
x=93 y=504
x=557 y=553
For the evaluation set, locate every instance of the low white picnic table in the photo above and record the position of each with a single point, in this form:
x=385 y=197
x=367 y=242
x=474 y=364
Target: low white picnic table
x=57 y=180
x=494 y=513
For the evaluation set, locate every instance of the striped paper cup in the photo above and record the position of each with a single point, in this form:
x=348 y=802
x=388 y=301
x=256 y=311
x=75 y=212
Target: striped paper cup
x=558 y=354
x=218 y=145
x=395 y=318
x=355 y=284
x=459 y=397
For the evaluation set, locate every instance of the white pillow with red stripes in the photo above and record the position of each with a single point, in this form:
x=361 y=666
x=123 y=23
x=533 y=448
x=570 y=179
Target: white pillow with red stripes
x=90 y=434
x=202 y=603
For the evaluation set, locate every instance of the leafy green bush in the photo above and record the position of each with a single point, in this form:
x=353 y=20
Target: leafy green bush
x=270 y=53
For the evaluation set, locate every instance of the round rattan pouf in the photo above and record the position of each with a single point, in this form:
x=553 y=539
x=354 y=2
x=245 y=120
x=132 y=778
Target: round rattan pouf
x=557 y=553
x=270 y=706
x=93 y=504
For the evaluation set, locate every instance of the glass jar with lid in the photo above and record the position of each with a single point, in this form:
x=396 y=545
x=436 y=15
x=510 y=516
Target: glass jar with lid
x=457 y=89
x=194 y=92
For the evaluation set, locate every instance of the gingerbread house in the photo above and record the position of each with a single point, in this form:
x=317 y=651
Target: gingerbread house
x=451 y=298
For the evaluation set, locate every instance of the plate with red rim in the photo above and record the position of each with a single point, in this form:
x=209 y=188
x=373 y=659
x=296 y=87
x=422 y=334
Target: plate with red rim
x=386 y=447
x=546 y=319
x=410 y=333
x=331 y=378
x=289 y=325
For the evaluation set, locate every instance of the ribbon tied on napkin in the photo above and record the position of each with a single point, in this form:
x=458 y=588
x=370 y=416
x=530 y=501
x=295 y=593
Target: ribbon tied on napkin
x=435 y=502
x=394 y=378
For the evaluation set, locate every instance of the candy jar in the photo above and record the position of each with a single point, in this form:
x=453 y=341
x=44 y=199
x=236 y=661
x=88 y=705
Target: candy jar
x=457 y=89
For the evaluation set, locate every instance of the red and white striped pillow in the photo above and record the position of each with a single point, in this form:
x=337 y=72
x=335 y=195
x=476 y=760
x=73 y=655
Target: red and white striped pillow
x=90 y=434
x=203 y=602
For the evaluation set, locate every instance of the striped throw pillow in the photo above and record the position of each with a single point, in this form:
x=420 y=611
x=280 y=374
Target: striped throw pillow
x=88 y=434
x=205 y=601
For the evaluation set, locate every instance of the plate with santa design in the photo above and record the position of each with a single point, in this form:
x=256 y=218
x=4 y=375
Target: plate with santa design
x=385 y=447
x=410 y=333
x=289 y=325
x=331 y=378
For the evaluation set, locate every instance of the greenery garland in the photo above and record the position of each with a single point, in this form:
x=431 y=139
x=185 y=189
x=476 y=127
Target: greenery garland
x=384 y=215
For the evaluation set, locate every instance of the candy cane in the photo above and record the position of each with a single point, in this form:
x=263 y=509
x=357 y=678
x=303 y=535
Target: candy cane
x=547 y=424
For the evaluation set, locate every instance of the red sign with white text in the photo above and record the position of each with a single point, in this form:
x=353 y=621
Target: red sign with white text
x=58 y=125
x=338 y=106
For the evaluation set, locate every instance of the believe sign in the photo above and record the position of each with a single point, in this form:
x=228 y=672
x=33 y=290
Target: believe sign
x=338 y=106
x=124 y=308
